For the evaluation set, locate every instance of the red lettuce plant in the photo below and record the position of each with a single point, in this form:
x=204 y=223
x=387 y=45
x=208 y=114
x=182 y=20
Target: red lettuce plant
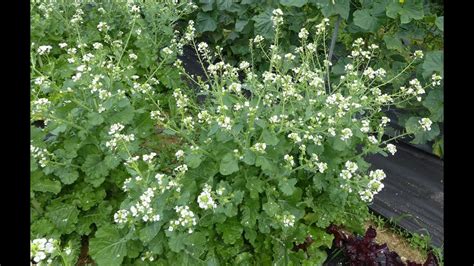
x=364 y=250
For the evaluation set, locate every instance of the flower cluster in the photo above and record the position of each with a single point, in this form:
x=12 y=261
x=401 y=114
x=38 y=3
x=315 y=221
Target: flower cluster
x=114 y=131
x=186 y=219
x=288 y=220
x=42 y=155
x=277 y=17
x=259 y=147
x=42 y=249
x=205 y=199
x=425 y=124
x=142 y=210
x=374 y=185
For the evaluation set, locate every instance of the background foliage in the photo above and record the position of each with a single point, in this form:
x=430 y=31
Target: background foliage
x=399 y=26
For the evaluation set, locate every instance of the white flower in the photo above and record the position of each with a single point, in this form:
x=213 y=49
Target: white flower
x=288 y=220
x=346 y=133
x=322 y=167
x=259 y=147
x=97 y=45
x=244 y=65
x=186 y=219
x=148 y=157
x=133 y=56
x=345 y=174
x=303 y=34
x=102 y=26
x=62 y=45
x=425 y=124
x=378 y=174
x=295 y=137
x=135 y=9
x=258 y=39
x=391 y=148
x=205 y=201
x=365 y=126
x=290 y=56
x=418 y=54
x=289 y=159
x=181 y=169
x=225 y=122
x=235 y=87
x=277 y=17
x=436 y=79
x=44 y=49
x=351 y=166
x=120 y=216
x=115 y=128
x=385 y=121
x=373 y=140
x=203 y=48
x=366 y=195
x=179 y=154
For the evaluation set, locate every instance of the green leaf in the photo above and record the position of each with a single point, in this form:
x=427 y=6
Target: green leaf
x=440 y=23
x=231 y=230
x=193 y=160
x=124 y=116
x=339 y=145
x=229 y=164
x=271 y=208
x=316 y=256
x=240 y=25
x=250 y=212
x=108 y=247
x=263 y=24
x=249 y=157
x=134 y=247
x=338 y=7
x=267 y=166
x=407 y=11
x=434 y=101
x=365 y=20
x=67 y=175
x=95 y=169
x=98 y=216
x=204 y=22
x=95 y=119
x=63 y=216
x=40 y=182
x=269 y=137
x=224 y=4
x=177 y=242
x=421 y=136
x=287 y=186
x=393 y=43
x=206 y=5
x=255 y=186
x=296 y=3
x=433 y=63
x=321 y=238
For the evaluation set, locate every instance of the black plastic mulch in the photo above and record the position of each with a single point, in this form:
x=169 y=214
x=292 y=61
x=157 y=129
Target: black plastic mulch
x=413 y=192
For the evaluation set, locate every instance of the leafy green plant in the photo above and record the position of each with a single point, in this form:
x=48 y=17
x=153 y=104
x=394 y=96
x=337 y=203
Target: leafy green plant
x=402 y=26
x=255 y=176
x=91 y=65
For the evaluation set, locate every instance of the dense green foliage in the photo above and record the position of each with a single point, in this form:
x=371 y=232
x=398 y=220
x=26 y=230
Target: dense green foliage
x=402 y=26
x=86 y=60
x=122 y=150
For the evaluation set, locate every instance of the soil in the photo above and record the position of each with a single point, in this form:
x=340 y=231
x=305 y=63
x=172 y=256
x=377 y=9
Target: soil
x=84 y=258
x=398 y=243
